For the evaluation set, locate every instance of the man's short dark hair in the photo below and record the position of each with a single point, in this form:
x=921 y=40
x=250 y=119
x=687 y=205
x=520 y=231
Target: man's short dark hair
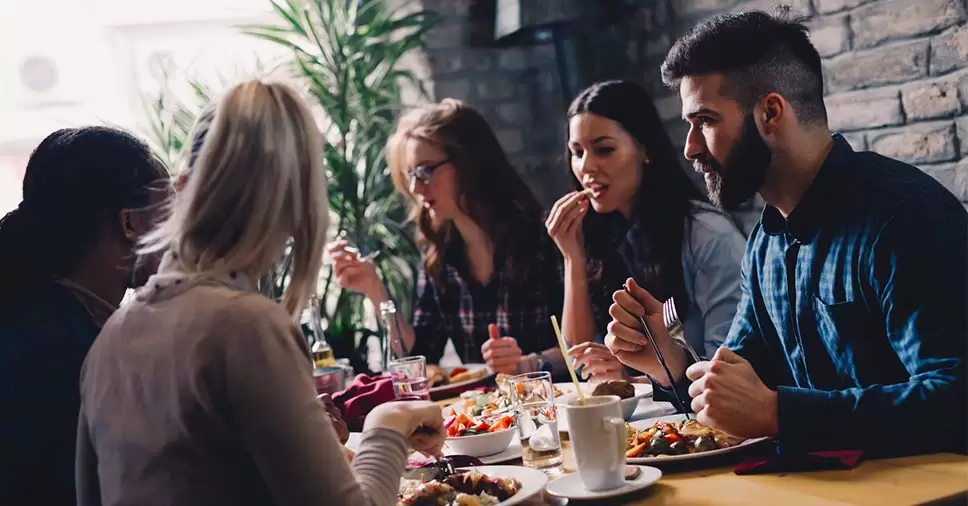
x=758 y=53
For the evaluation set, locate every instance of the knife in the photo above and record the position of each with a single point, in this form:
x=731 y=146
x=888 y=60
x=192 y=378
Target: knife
x=644 y=328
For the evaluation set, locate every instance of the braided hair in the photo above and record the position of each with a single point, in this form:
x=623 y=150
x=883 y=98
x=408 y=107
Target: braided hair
x=75 y=180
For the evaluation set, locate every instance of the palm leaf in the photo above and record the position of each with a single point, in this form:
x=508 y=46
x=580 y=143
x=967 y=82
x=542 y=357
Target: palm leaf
x=348 y=54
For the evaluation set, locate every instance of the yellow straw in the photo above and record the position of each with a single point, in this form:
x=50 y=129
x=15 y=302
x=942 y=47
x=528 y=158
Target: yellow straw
x=564 y=354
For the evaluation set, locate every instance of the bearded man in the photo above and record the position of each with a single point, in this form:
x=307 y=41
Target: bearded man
x=851 y=323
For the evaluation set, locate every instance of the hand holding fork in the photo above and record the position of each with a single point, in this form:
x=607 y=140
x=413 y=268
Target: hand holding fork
x=354 y=271
x=642 y=333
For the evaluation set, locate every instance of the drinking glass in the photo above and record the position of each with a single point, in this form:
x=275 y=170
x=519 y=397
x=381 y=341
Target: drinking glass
x=536 y=417
x=329 y=380
x=409 y=377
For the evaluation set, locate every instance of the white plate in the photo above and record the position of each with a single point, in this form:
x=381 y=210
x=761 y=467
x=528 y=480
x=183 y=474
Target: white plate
x=647 y=408
x=571 y=486
x=443 y=391
x=629 y=405
x=644 y=424
x=532 y=480
x=568 y=388
x=513 y=451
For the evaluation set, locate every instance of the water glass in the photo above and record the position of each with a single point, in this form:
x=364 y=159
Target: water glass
x=536 y=417
x=329 y=380
x=409 y=377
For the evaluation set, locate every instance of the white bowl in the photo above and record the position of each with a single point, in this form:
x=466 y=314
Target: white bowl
x=628 y=405
x=483 y=445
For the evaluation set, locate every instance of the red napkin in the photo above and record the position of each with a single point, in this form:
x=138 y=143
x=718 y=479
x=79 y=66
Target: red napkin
x=364 y=394
x=813 y=461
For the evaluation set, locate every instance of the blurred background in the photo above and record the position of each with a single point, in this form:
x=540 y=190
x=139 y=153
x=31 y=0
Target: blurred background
x=896 y=76
x=79 y=62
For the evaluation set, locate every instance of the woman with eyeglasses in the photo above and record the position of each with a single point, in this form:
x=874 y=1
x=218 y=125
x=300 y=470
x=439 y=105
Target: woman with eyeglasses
x=486 y=258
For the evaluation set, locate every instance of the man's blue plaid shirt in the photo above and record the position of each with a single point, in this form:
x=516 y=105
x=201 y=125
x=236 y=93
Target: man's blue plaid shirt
x=855 y=309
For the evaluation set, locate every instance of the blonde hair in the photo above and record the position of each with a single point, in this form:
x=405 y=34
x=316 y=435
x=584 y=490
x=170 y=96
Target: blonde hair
x=257 y=180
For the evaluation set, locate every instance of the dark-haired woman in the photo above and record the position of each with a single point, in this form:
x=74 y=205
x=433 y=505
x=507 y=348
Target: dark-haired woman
x=635 y=214
x=485 y=256
x=66 y=259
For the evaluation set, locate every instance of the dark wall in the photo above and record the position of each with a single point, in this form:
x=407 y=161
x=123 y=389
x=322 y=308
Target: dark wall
x=896 y=75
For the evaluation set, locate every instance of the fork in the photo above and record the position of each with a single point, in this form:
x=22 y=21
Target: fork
x=671 y=319
x=658 y=353
x=445 y=466
x=353 y=248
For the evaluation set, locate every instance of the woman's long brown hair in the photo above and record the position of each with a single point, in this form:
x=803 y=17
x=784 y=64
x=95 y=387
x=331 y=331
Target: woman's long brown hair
x=490 y=191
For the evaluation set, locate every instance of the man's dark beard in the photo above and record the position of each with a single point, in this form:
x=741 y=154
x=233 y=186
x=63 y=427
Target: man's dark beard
x=744 y=172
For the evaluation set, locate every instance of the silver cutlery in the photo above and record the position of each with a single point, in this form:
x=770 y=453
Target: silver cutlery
x=644 y=327
x=671 y=319
x=354 y=249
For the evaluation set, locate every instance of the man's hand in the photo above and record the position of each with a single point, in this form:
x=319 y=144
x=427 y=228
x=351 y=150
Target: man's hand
x=630 y=346
x=728 y=395
x=501 y=353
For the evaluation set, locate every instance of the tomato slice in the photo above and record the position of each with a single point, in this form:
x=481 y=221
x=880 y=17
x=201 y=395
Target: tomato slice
x=673 y=437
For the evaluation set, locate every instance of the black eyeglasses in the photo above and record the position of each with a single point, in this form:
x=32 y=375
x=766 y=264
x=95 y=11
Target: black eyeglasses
x=423 y=173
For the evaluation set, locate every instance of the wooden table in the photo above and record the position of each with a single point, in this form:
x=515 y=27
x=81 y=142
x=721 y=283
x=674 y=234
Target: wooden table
x=926 y=479
x=910 y=480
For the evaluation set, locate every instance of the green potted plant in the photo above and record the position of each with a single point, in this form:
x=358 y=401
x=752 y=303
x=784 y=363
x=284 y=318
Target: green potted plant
x=170 y=113
x=348 y=54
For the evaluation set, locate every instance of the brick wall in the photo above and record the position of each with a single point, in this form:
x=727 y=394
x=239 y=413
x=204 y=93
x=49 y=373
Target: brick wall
x=516 y=88
x=896 y=76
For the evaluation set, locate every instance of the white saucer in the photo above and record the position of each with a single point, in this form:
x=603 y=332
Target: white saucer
x=571 y=486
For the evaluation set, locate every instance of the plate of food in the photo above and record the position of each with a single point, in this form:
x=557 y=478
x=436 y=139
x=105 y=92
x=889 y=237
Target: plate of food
x=474 y=486
x=674 y=437
x=450 y=381
x=511 y=452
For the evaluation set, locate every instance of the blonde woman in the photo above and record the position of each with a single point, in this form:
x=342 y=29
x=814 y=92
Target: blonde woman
x=200 y=390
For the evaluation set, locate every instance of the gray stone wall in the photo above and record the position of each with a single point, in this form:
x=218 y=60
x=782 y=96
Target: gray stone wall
x=896 y=74
x=516 y=88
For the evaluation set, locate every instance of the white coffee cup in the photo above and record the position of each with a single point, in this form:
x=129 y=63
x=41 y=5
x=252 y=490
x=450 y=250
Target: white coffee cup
x=599 y=439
